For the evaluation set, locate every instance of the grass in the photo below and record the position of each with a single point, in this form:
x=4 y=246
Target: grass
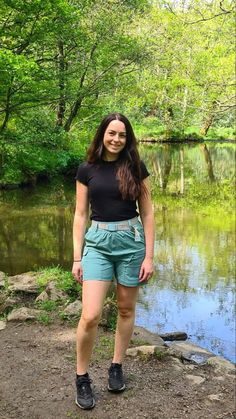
x=104 y=347
x=44 y=319
x=63 y=279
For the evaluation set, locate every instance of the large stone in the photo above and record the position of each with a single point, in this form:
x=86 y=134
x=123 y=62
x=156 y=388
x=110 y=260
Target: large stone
x=9 y=303
x=142 y=335
x=23 y=313
x=2 y=279
x=173 y=336
x=42 y=297
x=221 y=364
x=146 y=350
x=54 y=293
x=190 y=352
x=24 y=282
x=2 y=324
x=73 y=309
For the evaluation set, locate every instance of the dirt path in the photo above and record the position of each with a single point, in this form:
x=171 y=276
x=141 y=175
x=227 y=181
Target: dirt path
x=37 y=380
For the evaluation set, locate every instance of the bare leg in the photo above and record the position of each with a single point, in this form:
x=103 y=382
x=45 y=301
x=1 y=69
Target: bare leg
x=93 y=295
x=126 y=301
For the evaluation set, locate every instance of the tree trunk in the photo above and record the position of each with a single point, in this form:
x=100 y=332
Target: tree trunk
x=209 y=120
x=76 y=106
x=7 y=110
x=61 y=71
x=168 y=120
x=208 y=161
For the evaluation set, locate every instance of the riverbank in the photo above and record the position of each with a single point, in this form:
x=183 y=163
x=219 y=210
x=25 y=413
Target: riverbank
x=38 y=358
x=37 y=369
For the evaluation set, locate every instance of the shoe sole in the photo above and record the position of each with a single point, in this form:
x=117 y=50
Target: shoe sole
x=83 y=407
x=119 y=390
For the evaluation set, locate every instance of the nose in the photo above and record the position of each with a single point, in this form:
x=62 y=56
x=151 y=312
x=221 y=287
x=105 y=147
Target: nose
x=117 y=137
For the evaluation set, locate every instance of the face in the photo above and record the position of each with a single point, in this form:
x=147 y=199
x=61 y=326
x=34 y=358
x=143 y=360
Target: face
x=114 y=140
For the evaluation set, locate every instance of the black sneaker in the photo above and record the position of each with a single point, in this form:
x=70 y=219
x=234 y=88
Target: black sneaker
x=116 y=379
x=84 y=398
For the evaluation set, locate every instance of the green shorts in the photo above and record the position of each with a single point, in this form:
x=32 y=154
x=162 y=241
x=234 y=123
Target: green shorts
x=114 y=250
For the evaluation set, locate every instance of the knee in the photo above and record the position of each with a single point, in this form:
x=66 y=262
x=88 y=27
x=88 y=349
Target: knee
x=126 y=311
x=90 y=321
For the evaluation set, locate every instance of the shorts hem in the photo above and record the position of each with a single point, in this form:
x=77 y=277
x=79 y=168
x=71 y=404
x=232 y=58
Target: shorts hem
x=97 y=279
x=129 y=285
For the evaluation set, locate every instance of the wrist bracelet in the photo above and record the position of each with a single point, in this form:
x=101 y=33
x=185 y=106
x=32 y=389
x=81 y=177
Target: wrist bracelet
x=78 y=260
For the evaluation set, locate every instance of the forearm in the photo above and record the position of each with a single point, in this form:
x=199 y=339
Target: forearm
x=149 y=233
x=79 y=227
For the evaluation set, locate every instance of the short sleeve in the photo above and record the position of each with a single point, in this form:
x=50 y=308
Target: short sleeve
x=82 y=174
x=144 y=172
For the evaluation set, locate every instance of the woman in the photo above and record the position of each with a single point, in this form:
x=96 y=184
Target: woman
x=117 y=244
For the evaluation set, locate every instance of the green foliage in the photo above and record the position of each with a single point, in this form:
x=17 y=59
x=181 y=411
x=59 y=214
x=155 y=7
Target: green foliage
x=63 y=65
x=64 y=280
x=44 y=319
x=48 y=305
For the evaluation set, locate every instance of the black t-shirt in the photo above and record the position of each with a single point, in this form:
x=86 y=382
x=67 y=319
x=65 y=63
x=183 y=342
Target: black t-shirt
x=105 y=198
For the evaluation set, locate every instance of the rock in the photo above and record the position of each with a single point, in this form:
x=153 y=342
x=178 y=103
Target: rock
x=23 y=313
x=73 y=309
x=221 y=364
x=9 y=303
x=173 y=336
x=146 y=350
x=54 y=293
x=143 y=335
x=215 y=397
x=2 y=279
x=2 y=324
x=177 y=364
x=24 y=282
x=195 y=379
x=191 y=352
x=42 y=297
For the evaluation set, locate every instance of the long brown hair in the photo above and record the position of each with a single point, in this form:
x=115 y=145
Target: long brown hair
x=128 y=164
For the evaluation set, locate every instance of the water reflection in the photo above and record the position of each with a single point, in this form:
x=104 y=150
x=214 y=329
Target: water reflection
x=193 y=287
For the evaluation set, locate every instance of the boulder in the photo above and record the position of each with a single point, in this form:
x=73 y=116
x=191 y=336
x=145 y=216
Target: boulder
x=54 y=293
x=146 y=350
x=23 y=314
x=24 y=282
x=9 y=303
x=221 y=364
x=190 y=352
x=42 y=297
x=140 y=334
x=73 y=309
x=173 y=336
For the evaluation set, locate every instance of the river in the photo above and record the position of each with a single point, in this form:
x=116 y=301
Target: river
x=193 y=287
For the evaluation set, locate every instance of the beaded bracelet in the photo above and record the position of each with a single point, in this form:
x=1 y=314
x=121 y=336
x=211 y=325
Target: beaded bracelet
x=78 y=260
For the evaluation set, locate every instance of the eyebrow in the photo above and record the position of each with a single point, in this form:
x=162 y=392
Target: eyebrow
x=122 y=132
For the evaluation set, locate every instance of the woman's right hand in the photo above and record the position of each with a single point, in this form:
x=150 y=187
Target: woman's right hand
x=77 y=272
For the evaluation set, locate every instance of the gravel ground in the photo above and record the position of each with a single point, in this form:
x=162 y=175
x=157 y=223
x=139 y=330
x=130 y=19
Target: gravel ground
x=37 y=376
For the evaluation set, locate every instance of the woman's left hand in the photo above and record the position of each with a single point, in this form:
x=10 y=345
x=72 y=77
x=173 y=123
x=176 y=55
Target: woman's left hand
x=146 y=270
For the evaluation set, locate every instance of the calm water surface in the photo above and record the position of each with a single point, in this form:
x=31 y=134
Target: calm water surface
x=193 y=286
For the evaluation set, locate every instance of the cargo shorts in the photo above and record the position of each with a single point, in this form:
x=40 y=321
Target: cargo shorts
x=114 y=250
